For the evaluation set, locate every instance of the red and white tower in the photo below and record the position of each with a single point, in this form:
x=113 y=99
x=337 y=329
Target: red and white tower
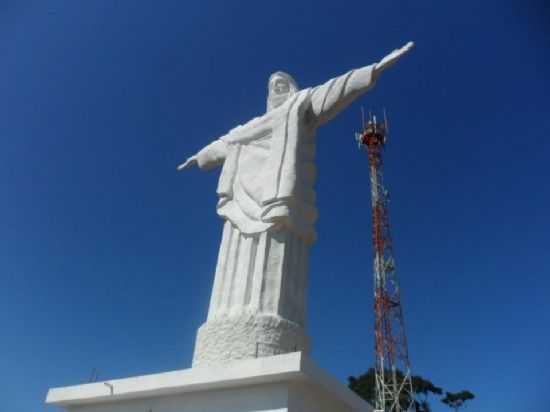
x=393 y=372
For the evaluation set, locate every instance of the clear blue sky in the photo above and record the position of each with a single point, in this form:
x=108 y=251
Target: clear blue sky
x=107 y=254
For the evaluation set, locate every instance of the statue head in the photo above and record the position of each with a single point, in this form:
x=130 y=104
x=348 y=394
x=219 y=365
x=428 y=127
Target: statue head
x=280 y=87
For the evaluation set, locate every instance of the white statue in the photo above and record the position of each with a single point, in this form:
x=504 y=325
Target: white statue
x=267 y=200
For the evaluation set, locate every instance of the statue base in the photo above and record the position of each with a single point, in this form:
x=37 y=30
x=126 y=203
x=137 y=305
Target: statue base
x=227 y=339
x=283 y=383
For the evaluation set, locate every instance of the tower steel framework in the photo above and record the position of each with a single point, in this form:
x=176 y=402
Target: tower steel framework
x=394 y=391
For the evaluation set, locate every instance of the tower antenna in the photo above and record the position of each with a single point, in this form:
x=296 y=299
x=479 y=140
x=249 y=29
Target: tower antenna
x=393 y=381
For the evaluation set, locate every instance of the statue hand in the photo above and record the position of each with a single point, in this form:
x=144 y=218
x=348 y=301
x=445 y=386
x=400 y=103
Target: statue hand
x=188 y=163
x=391 y=58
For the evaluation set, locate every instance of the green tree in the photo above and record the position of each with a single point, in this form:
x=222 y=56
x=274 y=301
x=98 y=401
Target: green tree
x=365 y=387
x=456 y=400
x=422 y=389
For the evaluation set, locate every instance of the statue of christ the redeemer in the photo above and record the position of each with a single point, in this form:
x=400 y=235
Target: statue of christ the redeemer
x=267 y=200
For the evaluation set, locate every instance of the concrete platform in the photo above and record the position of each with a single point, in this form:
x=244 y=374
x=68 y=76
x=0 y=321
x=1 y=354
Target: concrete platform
x=290 y=382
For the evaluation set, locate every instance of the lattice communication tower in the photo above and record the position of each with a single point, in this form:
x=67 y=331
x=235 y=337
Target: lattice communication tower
x=394 y=391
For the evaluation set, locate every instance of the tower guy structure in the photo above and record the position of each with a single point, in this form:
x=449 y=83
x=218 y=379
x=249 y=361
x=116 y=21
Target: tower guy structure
x=394 y=391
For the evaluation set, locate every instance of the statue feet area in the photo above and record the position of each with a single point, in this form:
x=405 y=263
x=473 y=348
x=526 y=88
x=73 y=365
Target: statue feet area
x=246 y=336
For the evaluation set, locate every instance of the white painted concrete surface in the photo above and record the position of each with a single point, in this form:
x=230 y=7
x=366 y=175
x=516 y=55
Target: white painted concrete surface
x=289 y=382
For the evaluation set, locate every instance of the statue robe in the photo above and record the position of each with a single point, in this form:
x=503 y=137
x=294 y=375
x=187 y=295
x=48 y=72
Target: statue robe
x=267 y=200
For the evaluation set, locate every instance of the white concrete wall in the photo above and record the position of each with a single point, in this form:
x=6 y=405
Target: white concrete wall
x=284 y=383
x=258 y=398
x=274 y=397
x=310 y=398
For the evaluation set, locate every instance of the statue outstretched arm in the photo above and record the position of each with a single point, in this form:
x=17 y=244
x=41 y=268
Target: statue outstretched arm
x=332 y=97
x=391 y=58
x=207 y=158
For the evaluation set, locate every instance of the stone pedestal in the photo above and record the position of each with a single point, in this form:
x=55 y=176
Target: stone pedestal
x=233 y=338
x=284 y=383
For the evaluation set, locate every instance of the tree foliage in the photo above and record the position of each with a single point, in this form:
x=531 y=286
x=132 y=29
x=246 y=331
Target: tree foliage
x=364 y=385
x=422 y=389
x=457 y=399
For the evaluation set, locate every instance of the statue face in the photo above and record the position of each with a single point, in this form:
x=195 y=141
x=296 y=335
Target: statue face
x=279 y=90
x=280 y=87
